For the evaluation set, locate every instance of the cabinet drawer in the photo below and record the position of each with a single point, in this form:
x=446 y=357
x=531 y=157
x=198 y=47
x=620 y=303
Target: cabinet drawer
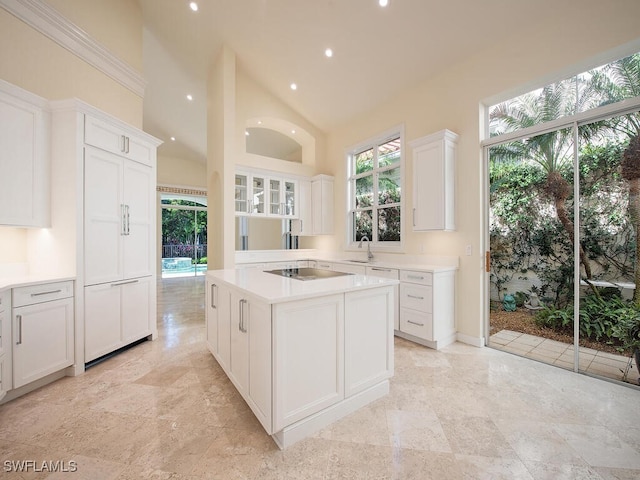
x=324 y=265
x=416 y=323
x=416 y=297
x=45 y=292
x=383 y=272
x=424 y=278
x=114 y=139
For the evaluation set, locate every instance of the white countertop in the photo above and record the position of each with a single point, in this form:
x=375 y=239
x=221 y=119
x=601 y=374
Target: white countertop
x=272 y=288
x=26 y=280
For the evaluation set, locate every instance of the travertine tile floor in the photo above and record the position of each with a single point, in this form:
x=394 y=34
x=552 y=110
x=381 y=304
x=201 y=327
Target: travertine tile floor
x=165 y=410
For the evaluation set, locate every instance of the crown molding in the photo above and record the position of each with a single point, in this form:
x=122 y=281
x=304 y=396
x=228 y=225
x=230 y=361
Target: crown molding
x=50 y=23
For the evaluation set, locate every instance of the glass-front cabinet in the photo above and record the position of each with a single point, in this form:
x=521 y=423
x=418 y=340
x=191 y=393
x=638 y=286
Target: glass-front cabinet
x=241 y=194
x=260 y=195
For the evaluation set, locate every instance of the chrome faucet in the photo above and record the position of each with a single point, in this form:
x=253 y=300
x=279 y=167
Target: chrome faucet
x=369 y=254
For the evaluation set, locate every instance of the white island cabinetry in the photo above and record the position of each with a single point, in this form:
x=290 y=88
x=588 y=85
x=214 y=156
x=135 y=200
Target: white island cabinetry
x=301 y=353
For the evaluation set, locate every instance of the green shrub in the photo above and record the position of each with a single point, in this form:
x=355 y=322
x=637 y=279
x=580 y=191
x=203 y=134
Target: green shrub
x=609 y=319
x=202 y=261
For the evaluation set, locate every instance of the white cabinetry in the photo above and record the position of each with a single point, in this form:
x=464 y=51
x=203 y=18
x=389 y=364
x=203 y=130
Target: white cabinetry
x=5 y=344
x=309 y=358
x=250 y=369
x=427 y=307
x=385 y=272
x=304 y=224
x=43 y=330
x=282 y=197
x=434 y=159
x=239 y=337
x=322 y=204
x=349 y=268
x=25 y=138
x=119 y=205
x=117 y=314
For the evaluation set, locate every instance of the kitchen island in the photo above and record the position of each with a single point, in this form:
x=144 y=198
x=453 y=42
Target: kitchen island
x=302 y=352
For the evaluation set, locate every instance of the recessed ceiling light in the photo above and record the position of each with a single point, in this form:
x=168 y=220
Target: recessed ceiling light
x=294 y=86
x=293 y=131
x=190 y=97
x=193 y=6
x=328 y=52
x=259 y=122
x=173 y=139
x=383 y=3
x=246 y=132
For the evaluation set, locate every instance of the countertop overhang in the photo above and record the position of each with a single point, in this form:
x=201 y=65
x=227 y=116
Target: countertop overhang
x=275 y=289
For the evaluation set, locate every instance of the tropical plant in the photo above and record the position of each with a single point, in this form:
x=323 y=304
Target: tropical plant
x=631 y=173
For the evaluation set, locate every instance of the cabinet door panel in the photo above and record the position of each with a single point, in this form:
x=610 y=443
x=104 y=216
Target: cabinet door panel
x=103 y=214
x=259 y=331
x=138 y=198
x=308 y=342
x=135 y=299
x=416 y=297
x=224 y=327
x=102 y=329
x=239 y=367
x=368 y=338
x=24 y=163
x=419 y=324
x=43 y=343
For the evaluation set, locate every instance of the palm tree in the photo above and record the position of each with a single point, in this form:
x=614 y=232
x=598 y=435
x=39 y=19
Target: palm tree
x=552 y=151
x=631 y=173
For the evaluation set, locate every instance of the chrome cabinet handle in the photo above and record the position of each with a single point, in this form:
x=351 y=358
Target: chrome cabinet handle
x=241 y=325
x=127 y=148
x=46 y=293
x=212 y=294
x=123 y=142
x=378 y=269
x=126 y=282
x=123 y=220
x=414 y=217
x=19 y=319
x=416 y=323
x=416 y=277
x=416 y=297
x=128 y=220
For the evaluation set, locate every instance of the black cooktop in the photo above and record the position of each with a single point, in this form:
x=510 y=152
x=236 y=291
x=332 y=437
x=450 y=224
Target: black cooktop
x=306 y=273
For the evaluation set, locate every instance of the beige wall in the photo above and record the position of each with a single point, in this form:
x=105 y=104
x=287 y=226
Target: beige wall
x=453 y=100
x=181 y=172
x=32 y=61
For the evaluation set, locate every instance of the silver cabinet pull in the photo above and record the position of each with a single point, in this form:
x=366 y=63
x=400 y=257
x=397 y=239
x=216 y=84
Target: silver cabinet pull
x=241 y=325
x=378 y=269
x=414 y=217
x=416 y=323
x=37 y=294
x=416 y=277
x=19 y=319
x=127 y=143
x=122 y=143
x=415 y=296
x=128 y=218
x=126 y=282
x=214 y=288
x=123 y=218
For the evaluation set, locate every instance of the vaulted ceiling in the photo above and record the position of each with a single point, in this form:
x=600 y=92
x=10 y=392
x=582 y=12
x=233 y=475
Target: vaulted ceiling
x=377 y=52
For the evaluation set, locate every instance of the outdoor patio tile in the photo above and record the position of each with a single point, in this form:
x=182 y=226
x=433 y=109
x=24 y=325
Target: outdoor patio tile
x=554 y=345
x=509 y=334
x=619 y=362
x=497 y=340
x=532 y=340
x=517 y=349
x=542 y=356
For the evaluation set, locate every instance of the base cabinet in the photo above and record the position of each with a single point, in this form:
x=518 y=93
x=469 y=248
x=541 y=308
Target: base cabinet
x=302 y=364
x=43 y=332
x=5 y=344
x=427 y=307
x=116 y=314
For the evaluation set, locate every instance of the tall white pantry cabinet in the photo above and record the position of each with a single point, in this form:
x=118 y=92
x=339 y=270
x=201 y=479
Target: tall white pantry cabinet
x=115 y=172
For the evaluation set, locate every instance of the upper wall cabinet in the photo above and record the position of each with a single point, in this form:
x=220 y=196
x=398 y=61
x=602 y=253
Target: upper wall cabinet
x=260 y=194
x=25 y=140
x=434 y=170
